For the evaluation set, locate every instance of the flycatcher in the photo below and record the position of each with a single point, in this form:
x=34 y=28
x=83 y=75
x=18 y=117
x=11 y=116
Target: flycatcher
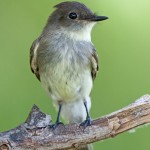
x=64 y=60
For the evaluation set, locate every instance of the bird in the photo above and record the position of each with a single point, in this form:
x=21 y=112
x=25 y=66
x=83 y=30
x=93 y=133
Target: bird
x=65 y=61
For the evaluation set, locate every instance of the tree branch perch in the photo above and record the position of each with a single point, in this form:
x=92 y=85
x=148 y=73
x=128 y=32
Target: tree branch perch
x=35 y=132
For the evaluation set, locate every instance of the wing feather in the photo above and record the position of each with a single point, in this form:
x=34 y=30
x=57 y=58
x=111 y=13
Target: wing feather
x=33 y=58
x=94 y=64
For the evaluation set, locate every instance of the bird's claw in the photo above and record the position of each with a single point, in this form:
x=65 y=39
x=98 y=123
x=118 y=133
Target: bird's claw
x=87 y=122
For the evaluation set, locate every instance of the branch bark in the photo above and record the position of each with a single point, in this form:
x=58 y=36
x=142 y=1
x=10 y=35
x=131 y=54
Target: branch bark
x=35 y=132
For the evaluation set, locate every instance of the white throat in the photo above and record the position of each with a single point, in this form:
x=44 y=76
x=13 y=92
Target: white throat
x=84 y=34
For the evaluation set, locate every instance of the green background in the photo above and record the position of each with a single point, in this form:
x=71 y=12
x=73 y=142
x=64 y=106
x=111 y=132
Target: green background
x=122 y=42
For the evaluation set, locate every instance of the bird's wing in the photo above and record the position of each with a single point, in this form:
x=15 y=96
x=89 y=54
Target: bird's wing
x=94 y=64
x=33 y=58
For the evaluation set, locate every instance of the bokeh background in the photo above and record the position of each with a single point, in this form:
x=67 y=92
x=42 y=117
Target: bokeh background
x=122 y=42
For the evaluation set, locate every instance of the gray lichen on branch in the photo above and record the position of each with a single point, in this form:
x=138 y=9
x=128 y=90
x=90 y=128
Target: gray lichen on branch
x=35 y=132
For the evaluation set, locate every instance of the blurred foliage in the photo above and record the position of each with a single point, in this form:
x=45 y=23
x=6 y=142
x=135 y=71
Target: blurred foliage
x=122 y=43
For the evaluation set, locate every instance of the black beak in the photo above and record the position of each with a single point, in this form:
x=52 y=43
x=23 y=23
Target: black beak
x=98 y=18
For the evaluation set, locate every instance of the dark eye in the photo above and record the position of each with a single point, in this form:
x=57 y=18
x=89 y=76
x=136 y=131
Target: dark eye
x=72 y=15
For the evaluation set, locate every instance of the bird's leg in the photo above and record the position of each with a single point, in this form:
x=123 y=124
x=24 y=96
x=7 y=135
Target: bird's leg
x=58 y=122
x=88 y=121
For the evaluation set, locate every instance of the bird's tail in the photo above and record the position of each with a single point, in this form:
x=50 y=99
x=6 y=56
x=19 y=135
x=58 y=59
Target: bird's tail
x=85 y=147
x=75 y=112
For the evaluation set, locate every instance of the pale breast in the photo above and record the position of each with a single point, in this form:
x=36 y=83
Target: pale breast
x=67 y=80
x=65 y=67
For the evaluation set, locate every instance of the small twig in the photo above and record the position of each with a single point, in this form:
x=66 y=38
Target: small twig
x=35 y=133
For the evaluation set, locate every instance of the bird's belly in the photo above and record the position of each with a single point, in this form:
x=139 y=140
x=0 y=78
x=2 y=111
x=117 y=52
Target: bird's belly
x=67 y=84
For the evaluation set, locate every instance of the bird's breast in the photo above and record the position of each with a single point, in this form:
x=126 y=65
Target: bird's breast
x=68 y=79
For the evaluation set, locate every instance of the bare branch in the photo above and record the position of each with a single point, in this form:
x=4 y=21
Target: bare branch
x=36 y=133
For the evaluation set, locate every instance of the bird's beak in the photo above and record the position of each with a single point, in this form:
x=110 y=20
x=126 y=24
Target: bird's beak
x=98 y=18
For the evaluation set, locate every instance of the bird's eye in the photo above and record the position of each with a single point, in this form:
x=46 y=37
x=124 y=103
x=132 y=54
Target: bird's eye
x=72 y=15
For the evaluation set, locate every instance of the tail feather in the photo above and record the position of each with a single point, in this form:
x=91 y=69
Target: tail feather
x=75 y=112
x=86 y=147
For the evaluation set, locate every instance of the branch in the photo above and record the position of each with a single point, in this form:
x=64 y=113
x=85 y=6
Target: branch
x=35 y=133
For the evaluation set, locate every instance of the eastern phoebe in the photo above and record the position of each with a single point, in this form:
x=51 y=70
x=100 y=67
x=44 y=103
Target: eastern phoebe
x=64 y=60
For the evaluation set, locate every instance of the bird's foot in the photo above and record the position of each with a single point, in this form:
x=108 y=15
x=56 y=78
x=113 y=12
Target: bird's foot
x=87 y=122
x=57 y=123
